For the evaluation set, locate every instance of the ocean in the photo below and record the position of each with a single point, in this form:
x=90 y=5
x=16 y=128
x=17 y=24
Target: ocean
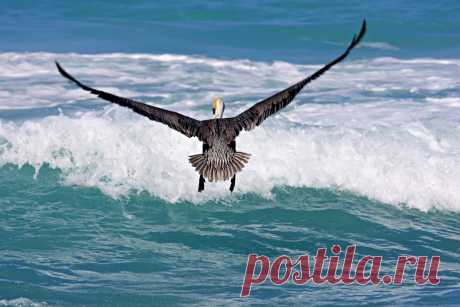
x=99 y=206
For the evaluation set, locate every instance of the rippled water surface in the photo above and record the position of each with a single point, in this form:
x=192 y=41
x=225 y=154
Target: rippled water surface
x=99 y=206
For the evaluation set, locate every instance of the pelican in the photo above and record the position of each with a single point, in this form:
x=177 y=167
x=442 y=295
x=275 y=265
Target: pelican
x=219 y=160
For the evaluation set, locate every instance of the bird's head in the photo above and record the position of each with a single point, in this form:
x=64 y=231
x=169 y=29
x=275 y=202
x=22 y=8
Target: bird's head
x=218 y=107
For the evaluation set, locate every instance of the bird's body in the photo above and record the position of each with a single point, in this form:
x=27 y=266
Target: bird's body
x=219 y=160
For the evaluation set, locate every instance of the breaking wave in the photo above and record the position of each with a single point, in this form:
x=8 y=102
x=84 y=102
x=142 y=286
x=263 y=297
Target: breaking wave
x=384 y=128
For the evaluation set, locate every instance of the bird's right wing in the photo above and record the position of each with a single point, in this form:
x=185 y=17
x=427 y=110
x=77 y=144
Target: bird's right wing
x=256 y=114
x=184 y=124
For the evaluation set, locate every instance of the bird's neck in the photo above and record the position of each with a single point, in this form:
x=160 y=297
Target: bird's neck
x=219 y=112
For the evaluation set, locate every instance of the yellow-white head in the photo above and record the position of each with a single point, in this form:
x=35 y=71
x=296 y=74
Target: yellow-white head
x=218 y=107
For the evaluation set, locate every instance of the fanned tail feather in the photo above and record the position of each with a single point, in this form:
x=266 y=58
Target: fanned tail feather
x=220 y=170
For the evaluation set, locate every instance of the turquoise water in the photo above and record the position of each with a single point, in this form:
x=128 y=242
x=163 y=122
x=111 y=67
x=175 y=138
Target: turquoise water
x=99 y=206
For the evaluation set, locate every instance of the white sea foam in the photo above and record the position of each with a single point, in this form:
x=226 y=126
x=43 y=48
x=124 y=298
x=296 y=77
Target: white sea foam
x=385 y=128
x=21 y=302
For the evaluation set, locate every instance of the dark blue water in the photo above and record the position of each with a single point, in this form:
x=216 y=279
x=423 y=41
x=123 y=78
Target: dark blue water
x=99 y=206
x=295 y=31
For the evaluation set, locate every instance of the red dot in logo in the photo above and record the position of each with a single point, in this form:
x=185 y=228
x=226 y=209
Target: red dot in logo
x=336 y=249
x=386 y=279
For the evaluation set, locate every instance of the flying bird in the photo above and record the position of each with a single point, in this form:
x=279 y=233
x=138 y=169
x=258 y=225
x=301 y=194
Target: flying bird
x=219 y=160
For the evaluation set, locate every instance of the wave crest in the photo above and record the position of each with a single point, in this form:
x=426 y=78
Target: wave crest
x=119 y=153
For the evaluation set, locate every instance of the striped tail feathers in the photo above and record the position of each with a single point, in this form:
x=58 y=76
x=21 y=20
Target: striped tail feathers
x=219 y=170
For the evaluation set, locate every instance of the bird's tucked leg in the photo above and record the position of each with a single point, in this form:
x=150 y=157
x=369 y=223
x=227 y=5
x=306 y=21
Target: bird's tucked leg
x=201 y=184
x=202 y=181
x=232 y=184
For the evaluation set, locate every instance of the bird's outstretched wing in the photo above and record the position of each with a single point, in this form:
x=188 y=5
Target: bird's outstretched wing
x=184 y=124
x=255 y=115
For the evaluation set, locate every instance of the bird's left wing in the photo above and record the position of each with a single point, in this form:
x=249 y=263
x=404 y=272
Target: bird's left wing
x=184 y=124
x=255 y=115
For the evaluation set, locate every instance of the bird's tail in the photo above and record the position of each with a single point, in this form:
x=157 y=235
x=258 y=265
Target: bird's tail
x=219 y=170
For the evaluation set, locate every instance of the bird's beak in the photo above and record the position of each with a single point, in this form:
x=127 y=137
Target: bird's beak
x=213 y=111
